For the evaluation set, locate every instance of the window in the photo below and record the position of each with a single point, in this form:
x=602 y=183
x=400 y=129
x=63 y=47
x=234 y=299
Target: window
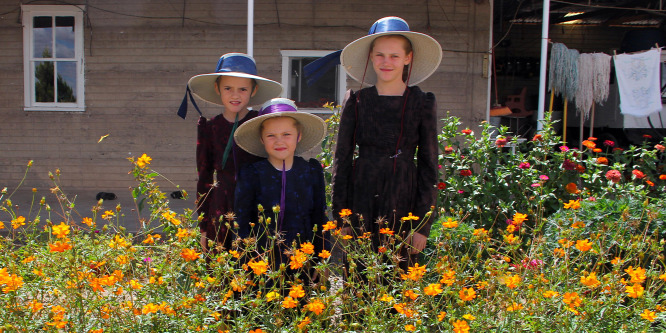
x=53 y=58
x=330 y=87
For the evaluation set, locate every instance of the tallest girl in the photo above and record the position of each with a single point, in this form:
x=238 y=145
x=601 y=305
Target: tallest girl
x=390 y=122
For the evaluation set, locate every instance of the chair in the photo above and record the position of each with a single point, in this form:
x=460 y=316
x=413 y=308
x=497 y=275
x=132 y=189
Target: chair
x=517 y=105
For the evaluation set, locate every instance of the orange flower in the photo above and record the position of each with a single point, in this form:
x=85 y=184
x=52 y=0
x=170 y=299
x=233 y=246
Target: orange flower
x=583 y=245
x=305 y=322
x=578 y=224
x=512 y=281
x=414 y=273
x=410 y=328
x=60 y=246
x=410 y=217
x=258 y=267
x=637 y=275
x=296 y=291
x=18 y=222
x=448 y=278
x=573 y=204
x=289 y=303
x=589 y=144
x=602 y=160
x=433 y=289
x=590 y=280
x=449 y=223
x=467 y=131
x=550 y=294
x=142 y=161
x=189 y=254
x=572 y=299
x=324 y=254
x=297 y=260
x=307 y=248
x=386 y=231
x=514 y=307
x=467 y=294
x=315 y=306
x=572 y=188
x=460 y=326
x=61 y=230
x=635 y=291
x=345 y=212
x=649 y=315
x=519 y=218
x=662 y=177
x=330 y=225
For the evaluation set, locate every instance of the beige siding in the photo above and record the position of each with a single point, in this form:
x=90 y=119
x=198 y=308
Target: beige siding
x=136 y=70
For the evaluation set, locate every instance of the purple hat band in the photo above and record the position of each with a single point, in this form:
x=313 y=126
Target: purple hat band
x=277 y=108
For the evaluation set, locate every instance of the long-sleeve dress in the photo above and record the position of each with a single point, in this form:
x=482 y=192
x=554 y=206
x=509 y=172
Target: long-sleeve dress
x=216 y=201
x=305 y=201
x=380 y=183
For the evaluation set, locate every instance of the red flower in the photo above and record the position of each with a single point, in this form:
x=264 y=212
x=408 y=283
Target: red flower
x=639 y=174
x=580 y=168
x=618 y=149
x=467 y=131
x=448 y=149
x=465 y=172
x=501 y=142
x=614 y=176
x=568 y=165
x=441 y=186
x=647 y=136
x=609 y=143
x=649 y=183
x=659 y=147
x=592 y=138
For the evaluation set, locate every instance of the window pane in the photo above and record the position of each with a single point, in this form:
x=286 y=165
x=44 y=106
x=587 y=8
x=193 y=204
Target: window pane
x=64 y=37
x=313 y=95
x=44 y=82
x=43 y=36
x=66 y=81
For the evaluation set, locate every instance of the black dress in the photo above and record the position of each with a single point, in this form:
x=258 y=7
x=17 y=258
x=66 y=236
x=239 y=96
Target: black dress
x=305 y=201
x=385 y=182
x=215 y=201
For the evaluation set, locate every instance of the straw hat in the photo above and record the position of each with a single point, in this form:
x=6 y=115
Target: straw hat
x=313 y=128
x=426 y=57
x=237 y=65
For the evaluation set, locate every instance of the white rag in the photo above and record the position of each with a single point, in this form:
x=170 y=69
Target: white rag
x=638 y=82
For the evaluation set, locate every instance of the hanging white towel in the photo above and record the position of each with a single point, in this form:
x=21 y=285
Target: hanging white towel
x=638 y=82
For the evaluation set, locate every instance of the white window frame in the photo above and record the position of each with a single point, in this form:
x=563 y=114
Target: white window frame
x=30 y=11
x=287 y=55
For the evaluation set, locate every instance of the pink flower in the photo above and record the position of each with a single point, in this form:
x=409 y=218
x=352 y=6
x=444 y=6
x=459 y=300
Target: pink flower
x=536 y=185
x=543 y=177
x=524 y=165
x=461 y=191
x=501 y=142
x=592 y=199
x=614 y=176
x=564 y=149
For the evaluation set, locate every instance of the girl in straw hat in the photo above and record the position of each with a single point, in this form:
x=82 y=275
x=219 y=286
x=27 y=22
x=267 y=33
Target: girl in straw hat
x=234 y=85
x=391 y=122
x=283 y=179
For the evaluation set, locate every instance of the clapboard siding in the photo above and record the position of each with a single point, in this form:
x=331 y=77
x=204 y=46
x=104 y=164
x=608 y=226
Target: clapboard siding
x=139 y=55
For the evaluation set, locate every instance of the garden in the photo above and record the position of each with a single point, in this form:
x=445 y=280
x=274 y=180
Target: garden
x=529 y=236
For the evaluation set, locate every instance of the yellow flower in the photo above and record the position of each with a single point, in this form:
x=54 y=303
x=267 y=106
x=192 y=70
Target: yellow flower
x=189 y=254
x=635 y=291
x=108 y=214
x=519 y=218
x=258 y=267
x=18 y=222
x=460 y=326
x=2 y=225
x=142 y=161
x=410 y=328
x=296 y=291
x=315 y=306
x=150 y=239
x=469 y=317
x=410 y=217
x=324 y=254
x=648 y=315
x=61 y=230
x=433 y=289
x=289 y=303
x=590 y=280
x=135 y=284
x=467 y=294
x=514 y=307
x=449 y=223
x=170 y=217
x=583 y=245
x=273 y=295
x=573 y=204
x=307 y=248
x=118 y=242
x=182 y=233
x=550 y=294
x=386 y=298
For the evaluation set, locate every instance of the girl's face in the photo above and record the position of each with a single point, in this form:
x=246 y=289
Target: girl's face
x=389 y=58
x=235 y=92
x=280 y=138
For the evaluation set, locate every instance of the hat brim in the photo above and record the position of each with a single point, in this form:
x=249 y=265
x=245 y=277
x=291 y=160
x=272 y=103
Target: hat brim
x=313 y=131
x=427 y=55
x=203 y=86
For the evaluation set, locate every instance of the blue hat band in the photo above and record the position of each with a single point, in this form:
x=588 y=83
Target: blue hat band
x=388 y=26
x=236 y=64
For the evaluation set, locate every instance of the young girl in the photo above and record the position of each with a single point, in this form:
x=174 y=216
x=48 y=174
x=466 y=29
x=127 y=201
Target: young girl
x=391 y=122
x=295 y=185
x=234 y=85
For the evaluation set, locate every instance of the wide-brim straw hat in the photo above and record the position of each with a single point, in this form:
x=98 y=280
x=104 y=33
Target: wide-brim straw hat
x=237 y=65
x=427 y=52
x=313 y=128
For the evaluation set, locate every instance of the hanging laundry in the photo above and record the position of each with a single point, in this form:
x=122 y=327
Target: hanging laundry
x=638 y=82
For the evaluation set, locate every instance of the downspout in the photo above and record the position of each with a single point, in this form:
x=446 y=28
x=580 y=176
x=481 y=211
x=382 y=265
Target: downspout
x=250 y=27
x=544 y=60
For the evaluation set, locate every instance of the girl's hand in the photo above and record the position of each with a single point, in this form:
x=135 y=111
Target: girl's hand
x=417 y=242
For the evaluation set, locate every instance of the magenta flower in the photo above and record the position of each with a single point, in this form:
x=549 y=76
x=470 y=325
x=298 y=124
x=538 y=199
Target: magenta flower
x=524 y=165
x=543 y=177
x=536 y=185
x=564 y=149
x=609 y=143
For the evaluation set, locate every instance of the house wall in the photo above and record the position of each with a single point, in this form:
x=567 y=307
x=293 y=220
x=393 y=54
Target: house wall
x=140 y=54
